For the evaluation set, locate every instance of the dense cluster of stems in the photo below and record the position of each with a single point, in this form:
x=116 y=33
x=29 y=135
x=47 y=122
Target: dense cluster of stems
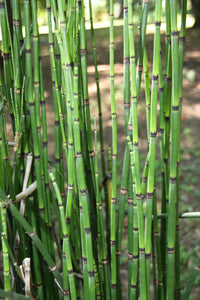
x=67 y=216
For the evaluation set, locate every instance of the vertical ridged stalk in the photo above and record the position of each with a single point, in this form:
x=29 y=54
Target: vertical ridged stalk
x=101 y=240
x=135 y=252
x=171 y=225
x=138 y=189
x=6 y=264
x=83 y=193
x=67 y=262
x=125 y=173
x=143 y=25
x=152 y=144
x=181 y=54
x=114 y=159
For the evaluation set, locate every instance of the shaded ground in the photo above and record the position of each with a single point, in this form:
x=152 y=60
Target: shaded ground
x=190 y=134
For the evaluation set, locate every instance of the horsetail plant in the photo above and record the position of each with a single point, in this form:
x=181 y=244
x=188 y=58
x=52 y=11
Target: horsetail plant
x=66 y=213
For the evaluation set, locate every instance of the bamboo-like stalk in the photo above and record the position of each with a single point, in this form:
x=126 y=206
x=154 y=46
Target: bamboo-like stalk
x=171 y=225
x=31 y=232
x=66 y=243
x=125 y=174
x=135 y=251
x=6 y=264
x=138 y=189
x=114 y=159
x=77 y=223
x=89 y=280
x=181 y=53
x=152 y=144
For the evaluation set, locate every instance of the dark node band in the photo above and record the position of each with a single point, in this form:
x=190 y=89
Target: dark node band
x=144 y=179
x=139 y=68
x=157 y=23
x=87 y=230
x=139 y=196
x=78 y=154
x=104 y=261
x=112 y=242
x=66 y=292
x=6 y=56
x=126 y=60
x=84 y=260
x=57 y=123
x=31 y=104
x=130 y=201
x=161 y=130
x=153 y=134
x=16 y=22
x=113 y=200
x=86 y=101
x=169 y=79
x=174 y=33
x=70 y=186
x=130 y=255
x=28 y=51
x=2 y=5
x=123 y=191
x=41 y=210
x=170 y=250
x=175 y=108
x=142 y=250
x=133 y=287
x=114 y=286
x=91 y=153
x=155 y=77
x=83 y=52
x=125 y=9
x=172 y=180
x=182 y=39
x=135 y=256
x=118 y=252
x=91 y=273
x=135 y=229
x=150 y=195
x=135 y=144
x=83 y=192
x=126 y=105
x=68 y=220
x=147 y=255
x=12 y=116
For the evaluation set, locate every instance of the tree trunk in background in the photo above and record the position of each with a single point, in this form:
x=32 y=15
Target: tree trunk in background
x=196 y=12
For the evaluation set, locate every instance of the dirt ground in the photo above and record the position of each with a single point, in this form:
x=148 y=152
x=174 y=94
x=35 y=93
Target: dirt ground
x=190 y=133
